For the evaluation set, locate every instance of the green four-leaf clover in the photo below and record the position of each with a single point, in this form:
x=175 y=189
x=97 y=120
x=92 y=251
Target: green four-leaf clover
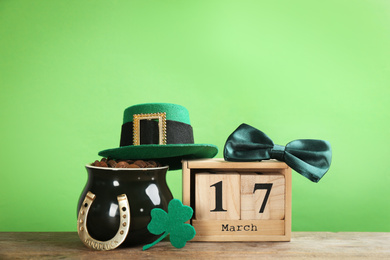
x=172 y=223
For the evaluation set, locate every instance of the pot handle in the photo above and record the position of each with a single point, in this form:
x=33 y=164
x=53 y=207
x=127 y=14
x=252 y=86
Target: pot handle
x=124 y=211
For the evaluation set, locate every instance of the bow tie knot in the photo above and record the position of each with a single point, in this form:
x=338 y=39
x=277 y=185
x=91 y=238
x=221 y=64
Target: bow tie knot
x=311 y=158
x=277 y=152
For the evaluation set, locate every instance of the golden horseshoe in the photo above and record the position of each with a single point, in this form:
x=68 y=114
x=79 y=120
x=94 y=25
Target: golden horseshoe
x=124 y=210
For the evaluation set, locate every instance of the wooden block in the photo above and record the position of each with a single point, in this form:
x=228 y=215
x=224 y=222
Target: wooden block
x=239 y=230
x=262 y=196
x=274 y=224
x=217 y=196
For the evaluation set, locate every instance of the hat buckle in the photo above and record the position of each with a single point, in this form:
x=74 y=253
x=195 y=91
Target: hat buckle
x=162 y=126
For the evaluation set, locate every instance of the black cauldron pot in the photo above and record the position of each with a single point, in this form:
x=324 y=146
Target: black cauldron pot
x=110 y=194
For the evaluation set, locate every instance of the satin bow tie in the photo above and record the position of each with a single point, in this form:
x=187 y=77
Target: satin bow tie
x=311 y=158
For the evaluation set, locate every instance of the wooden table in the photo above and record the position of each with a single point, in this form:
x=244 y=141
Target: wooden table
x=303 y=245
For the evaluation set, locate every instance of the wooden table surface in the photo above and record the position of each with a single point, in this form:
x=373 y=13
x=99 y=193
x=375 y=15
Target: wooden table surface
x=303 y=245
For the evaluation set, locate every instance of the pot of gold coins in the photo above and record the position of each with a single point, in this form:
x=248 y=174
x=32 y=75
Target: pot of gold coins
x=115 y=205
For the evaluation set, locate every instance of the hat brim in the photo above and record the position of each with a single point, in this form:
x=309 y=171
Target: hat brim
x=170 y=154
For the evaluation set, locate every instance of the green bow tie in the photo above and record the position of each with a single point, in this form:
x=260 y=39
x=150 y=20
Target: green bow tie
x=311 y=158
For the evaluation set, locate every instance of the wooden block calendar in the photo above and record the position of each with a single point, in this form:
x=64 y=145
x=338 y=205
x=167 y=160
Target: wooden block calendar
x=238 y=201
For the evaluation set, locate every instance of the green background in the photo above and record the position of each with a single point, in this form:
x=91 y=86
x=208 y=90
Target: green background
x=294 y=69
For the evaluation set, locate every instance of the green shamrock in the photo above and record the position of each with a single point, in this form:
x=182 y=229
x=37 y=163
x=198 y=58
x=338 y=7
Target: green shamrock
x=172 y=223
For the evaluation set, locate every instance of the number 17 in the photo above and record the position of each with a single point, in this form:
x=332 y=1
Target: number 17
x=258 y=186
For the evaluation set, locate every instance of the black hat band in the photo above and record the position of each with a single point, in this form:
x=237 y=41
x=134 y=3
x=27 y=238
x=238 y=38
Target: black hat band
x=176 y=133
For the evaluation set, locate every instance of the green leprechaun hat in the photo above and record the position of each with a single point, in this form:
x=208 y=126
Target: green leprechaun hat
x=161 y=132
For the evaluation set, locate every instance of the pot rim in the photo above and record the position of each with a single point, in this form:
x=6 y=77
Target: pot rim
x=126 y=169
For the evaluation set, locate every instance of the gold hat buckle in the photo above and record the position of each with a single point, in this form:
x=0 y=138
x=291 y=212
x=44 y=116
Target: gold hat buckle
x=162 y=126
